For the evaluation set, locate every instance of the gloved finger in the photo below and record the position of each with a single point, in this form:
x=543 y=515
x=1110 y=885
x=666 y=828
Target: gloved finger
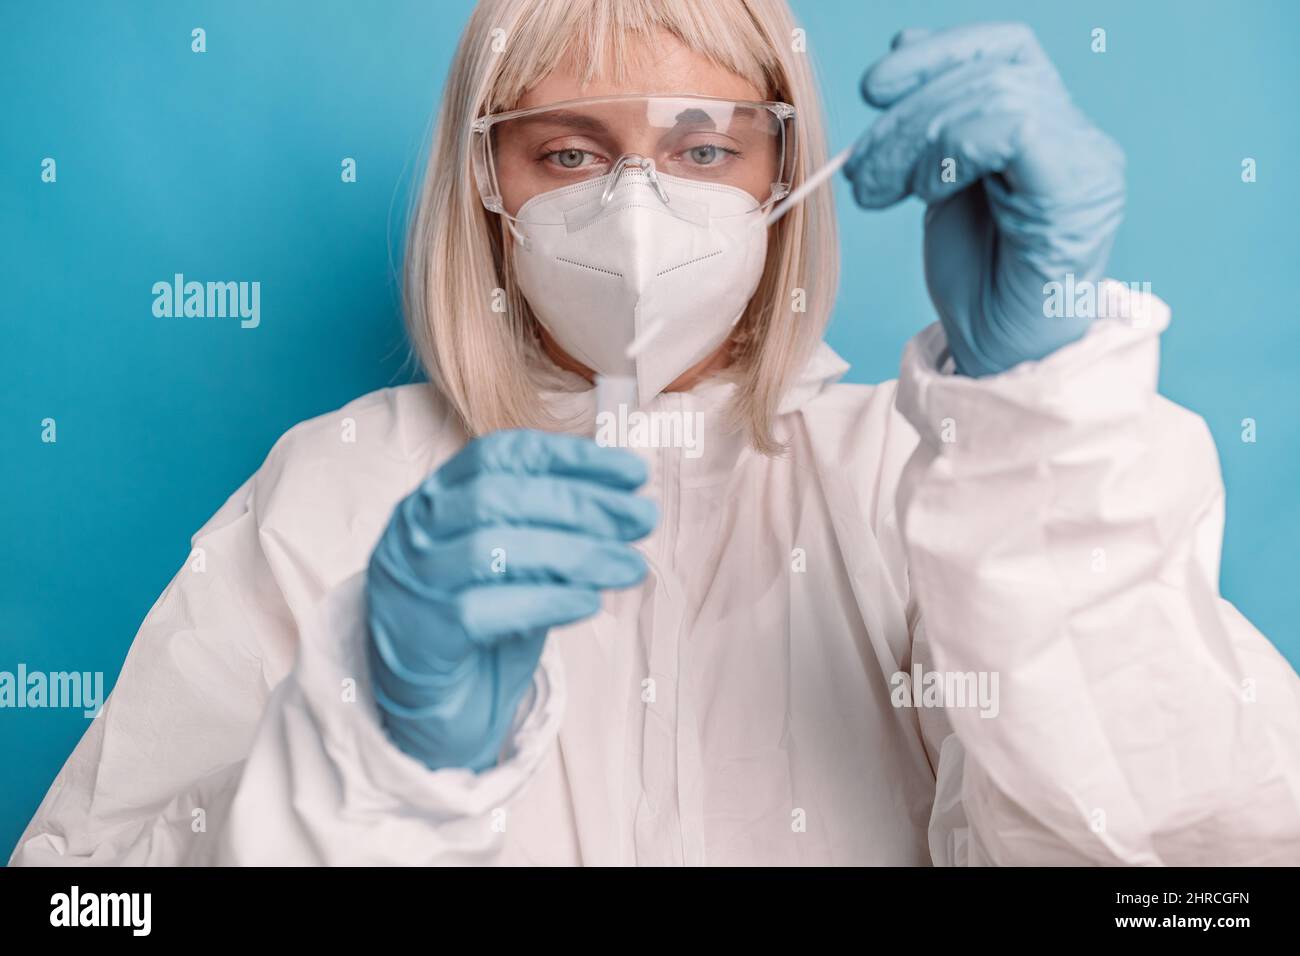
x=458 y=721
x=502 y=555
x=910 y=65
x=431 y=642
x=908 y=35
x=884 y=161
x=517 y=661
x=492 y=498
x=491 y=615
x=532 y=452
x=1040 y=147
x=421 y=679
x=968 y=148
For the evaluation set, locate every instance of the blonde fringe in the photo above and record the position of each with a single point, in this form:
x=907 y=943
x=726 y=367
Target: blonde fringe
x=457 y=252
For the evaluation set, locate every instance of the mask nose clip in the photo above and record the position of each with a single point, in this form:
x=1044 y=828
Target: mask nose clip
x=643 y=163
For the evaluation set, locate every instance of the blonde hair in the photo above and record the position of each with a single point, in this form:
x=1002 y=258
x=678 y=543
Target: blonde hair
x=457 y=253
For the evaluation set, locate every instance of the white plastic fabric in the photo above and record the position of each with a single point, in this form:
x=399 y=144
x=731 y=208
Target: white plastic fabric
x=736 y=709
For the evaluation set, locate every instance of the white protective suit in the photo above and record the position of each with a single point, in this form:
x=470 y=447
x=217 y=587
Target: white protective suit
x=1058 y=525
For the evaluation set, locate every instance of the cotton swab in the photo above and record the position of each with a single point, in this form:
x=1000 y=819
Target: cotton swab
x=808 y=185
x=615 y=390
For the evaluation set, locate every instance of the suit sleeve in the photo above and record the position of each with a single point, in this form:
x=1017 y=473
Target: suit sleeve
x=241 y=730
x=1062 y=525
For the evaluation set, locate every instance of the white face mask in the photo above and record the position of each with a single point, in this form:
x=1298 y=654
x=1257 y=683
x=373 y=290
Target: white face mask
x=604 y=269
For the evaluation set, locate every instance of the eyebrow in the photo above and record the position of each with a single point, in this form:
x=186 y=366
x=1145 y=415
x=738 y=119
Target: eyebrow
x=564 y=118
x=690 y=116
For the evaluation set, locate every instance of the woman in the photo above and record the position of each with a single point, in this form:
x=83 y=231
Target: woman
x=443 y=625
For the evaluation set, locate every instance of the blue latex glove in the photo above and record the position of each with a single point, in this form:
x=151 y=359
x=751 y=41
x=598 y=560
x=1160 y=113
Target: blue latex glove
x=1039 y=191
x=514 y=535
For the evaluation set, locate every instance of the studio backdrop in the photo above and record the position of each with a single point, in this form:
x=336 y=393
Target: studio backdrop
x=274 y=144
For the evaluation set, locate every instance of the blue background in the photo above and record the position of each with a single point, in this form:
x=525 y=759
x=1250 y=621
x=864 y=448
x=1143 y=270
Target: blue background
x=225 y=166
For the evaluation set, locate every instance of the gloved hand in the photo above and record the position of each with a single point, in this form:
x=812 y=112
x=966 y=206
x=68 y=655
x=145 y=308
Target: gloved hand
x=514 y=535
x=1038 y=190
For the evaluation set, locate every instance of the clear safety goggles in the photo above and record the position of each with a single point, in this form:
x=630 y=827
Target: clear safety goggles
x=523 y=154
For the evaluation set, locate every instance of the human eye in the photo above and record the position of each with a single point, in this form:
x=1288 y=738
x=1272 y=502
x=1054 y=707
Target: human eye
x=710 y=154
x=703 y=153
x=561 y=156
x=569 y=158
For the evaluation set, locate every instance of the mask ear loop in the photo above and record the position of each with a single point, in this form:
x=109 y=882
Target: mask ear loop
x=519 y=236
x=493 y=202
